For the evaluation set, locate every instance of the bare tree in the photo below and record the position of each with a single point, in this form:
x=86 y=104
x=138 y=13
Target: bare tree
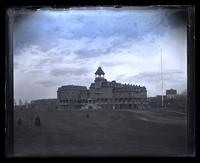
x=15 y=103
x=26 y=104
x=20 y=102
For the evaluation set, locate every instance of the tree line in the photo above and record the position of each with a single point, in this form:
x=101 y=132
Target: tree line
x=20 y=102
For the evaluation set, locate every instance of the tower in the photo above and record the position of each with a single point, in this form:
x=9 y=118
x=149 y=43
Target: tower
x=99 y=77
x=99 y=73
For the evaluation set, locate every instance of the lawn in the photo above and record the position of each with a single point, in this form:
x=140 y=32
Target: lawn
x=100 y=133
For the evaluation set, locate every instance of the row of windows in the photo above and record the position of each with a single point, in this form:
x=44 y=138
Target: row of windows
x=65 y=94
x=73 y=101
x=131 y=91
x=119 y=105
x=117 y=99
x=104 y=100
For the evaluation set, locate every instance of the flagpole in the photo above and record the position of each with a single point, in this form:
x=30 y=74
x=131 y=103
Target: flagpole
x=162 y=77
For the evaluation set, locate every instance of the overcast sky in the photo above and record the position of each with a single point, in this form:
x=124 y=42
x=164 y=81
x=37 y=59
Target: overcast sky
x=60 y=47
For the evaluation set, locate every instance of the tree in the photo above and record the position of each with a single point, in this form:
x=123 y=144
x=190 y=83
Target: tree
x=26 y=103
x=181 y=100
x=20 y=102
x=15 y=103
x=184 y=93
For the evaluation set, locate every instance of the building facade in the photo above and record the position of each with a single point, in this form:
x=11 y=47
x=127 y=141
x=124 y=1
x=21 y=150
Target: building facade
x=103 y=94
x=169 y=99
x=171 y=94
x=43 y=104
x=72 y=96
x=113 y=95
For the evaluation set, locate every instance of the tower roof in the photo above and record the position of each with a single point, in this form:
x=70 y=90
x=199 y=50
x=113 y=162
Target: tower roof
x=99 y=71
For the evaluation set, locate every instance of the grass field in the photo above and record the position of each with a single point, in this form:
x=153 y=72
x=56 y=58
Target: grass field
x=103 y=133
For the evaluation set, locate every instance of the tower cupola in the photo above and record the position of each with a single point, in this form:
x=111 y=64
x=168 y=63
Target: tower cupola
x=99 y=73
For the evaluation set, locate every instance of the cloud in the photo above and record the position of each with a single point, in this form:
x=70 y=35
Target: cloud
x=152 y=80
x=47 y=83
x=69 y=71
x=112 y=64
x=54 y=48
x=70 y=24
x=91 y=53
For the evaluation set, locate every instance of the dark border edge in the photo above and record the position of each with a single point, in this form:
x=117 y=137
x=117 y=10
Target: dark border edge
x=191 y=107
x=9 y=110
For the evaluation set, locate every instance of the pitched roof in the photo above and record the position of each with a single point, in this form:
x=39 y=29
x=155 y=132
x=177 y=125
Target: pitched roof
x=99 y=71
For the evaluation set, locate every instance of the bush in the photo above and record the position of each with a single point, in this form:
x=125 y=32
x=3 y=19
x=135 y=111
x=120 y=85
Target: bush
x=19 y=122
x=37 y=121
x=87 y=115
